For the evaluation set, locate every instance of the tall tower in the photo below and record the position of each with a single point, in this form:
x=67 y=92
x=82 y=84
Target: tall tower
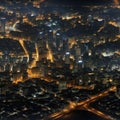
x=67 y=57
x=118 y=91
x=78 y=52
x=118 y=24
x=79 y=58
x=2 y=25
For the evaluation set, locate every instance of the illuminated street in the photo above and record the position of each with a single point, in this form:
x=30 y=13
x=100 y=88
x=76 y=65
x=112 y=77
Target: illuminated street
x=86 y=106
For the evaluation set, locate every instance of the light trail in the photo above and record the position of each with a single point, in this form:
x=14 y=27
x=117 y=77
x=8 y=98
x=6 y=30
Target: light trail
x=14 y=25
x=69 y=85
x=85 y=105
x=113 y=24
x=95 y=97
x=49 y=55
x=33 y=64
x=100 y=29
x=23 y=46
x=37 y=52
x=99 y=113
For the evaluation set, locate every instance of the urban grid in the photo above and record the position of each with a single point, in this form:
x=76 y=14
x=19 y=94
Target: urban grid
x=59 y=59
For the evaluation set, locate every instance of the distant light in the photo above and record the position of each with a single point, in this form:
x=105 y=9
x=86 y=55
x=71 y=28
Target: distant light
x=80 y=81
x=49 y=25
x=2 y=18
x=58 y=34
x=34 y=96
x=54 y=24
x=67 y=53
x=100 y=19
x=80 y=61
x=50 y=30
x=107 y=54
x=33 y=14
x=40 y=33
x=110 y=80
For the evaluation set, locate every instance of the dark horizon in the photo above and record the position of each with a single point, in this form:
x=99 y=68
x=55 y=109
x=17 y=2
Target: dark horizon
x=83 y=2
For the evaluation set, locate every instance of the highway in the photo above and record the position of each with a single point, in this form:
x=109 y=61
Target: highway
x=85 y=105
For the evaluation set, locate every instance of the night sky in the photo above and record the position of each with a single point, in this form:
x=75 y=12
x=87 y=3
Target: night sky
x=83 y=2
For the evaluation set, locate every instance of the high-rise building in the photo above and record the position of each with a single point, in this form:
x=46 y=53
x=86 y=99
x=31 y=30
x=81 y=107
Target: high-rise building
x=77 y=53
x=118 y=25
x=118 y=91
x=2 y=25
x=80 y=64
x=67 y=57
